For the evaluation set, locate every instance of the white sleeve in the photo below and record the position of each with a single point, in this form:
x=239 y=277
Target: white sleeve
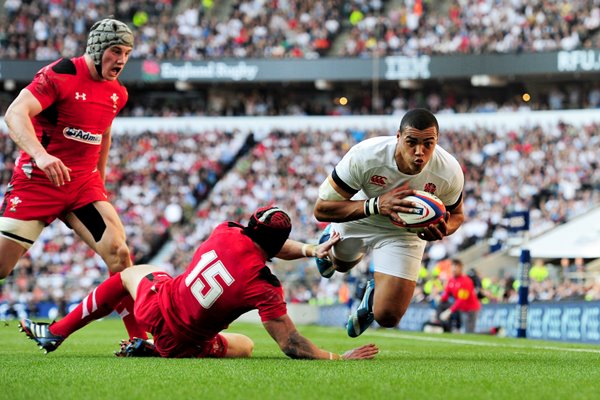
x=455 y=188
x=347 y=174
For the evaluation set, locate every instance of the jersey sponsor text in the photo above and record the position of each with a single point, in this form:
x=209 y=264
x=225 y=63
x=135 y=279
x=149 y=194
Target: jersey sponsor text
x=82 y=136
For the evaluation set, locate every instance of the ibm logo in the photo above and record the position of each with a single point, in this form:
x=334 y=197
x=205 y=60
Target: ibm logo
x=400 y=67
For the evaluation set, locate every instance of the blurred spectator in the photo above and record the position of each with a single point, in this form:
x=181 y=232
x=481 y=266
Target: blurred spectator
x=465 y=303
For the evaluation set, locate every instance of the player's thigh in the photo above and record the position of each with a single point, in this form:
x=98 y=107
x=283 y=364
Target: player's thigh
x=238 y=345
x=98 y=224
x=131 y=277
x=397 y=257
x=392 y=296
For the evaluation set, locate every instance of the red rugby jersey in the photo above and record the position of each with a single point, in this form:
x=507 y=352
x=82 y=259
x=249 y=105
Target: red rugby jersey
x=77 y=111
x=226 y=278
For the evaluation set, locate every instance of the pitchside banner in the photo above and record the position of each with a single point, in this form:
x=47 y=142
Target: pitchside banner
x=564 y=321
x=392 y=68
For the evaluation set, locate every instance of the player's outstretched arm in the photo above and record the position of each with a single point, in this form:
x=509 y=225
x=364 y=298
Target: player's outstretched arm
x=294 y=345
x=293 y=249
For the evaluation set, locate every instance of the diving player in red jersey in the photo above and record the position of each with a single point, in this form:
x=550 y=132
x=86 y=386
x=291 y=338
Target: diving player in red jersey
x=226 y=278
x=62 y=123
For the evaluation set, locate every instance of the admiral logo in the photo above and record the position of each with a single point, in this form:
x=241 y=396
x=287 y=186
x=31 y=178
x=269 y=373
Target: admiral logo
x=378 y=180
x=430 y=188
x=82 y=136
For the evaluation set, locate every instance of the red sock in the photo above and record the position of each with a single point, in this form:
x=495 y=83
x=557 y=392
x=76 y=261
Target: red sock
x=95 y=305
x=125 y=310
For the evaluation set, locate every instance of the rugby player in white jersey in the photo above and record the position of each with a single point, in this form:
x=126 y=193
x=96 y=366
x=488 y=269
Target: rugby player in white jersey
x=361 y=198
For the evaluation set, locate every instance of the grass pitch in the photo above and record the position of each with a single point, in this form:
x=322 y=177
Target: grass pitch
x=409 y=366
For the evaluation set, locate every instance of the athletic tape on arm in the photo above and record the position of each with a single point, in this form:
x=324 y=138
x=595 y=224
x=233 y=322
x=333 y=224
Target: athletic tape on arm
x=327 y=192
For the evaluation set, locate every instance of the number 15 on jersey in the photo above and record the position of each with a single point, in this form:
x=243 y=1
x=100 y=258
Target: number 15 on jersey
x=207 y=274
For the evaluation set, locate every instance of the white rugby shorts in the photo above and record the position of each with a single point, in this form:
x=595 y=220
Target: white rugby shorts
x=392 y=253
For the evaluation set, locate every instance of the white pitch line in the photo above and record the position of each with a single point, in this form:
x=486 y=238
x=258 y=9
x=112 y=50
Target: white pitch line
x=488 y=344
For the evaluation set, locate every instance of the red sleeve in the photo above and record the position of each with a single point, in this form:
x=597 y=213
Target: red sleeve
x=272 y=304
x=266 y=295
x=43 y=87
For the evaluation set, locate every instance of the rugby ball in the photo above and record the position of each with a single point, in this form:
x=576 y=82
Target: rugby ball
x=429 y=210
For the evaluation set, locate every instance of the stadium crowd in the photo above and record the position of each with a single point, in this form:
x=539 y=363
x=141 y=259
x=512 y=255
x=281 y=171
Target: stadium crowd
x=174 y=185
x=197 y=30
x=471 y=27
x=159 y=180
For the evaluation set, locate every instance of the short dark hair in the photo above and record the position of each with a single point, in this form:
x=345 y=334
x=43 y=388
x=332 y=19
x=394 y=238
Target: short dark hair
x=418 y=118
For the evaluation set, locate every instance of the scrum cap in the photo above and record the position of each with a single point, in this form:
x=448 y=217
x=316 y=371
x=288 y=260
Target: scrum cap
x=104 y=34
x=269 y=227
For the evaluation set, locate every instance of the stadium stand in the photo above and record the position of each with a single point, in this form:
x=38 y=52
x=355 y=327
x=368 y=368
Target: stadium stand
x=150 y=171
x=551 y=168
x=260 y=29
x=192 y=30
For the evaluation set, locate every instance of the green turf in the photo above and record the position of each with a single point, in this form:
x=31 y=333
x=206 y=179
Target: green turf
x=409 y=366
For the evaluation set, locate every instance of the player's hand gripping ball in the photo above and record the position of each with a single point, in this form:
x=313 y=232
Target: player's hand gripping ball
x=429 y=210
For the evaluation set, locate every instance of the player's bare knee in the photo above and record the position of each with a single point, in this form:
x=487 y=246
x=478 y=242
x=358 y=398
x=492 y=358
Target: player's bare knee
x=387 y=320
x=8 y=263
x=5 y=269
x=118 y=257
x=240 y=346
x=344 y=266
x=248 y=347
x=342 y=269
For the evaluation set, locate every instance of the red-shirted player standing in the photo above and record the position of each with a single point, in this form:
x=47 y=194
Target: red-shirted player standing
x=226 y=278
x=62 y=123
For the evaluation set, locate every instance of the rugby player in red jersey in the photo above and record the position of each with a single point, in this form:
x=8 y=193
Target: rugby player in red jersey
x=62 y=124
x=187 y=314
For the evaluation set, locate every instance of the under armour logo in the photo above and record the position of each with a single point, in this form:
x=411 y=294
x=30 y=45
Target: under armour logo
x=79 y=96
x=378 y=180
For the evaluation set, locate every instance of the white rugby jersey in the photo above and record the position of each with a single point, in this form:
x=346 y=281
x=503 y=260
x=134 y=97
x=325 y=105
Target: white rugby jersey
x=369 y=170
